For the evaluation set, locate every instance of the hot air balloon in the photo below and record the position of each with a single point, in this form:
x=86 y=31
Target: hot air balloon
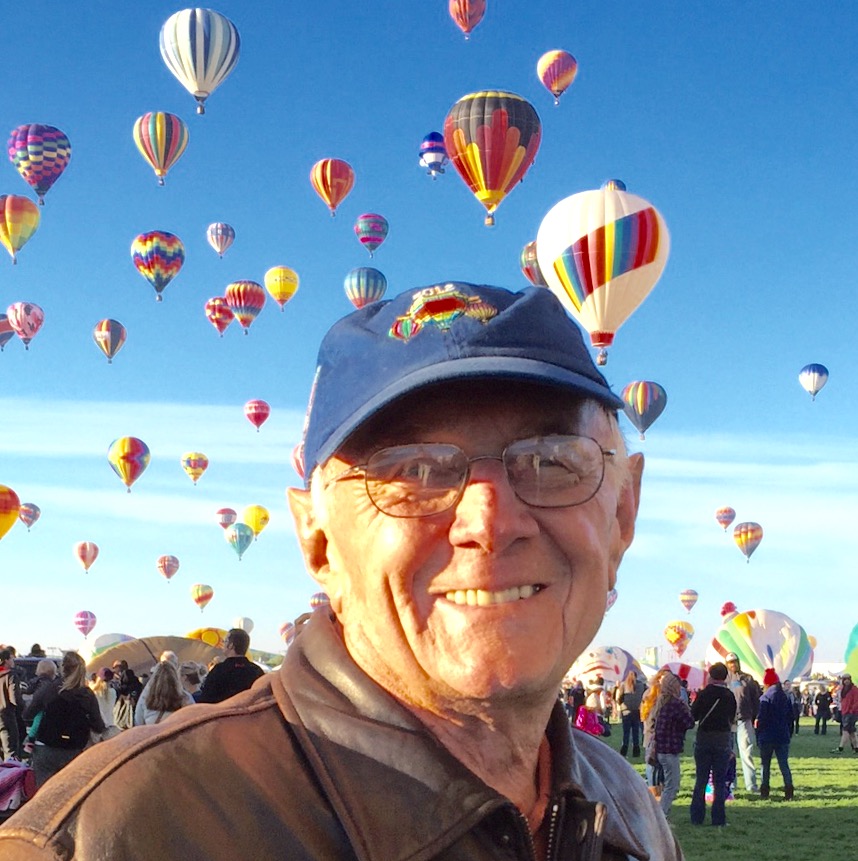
x=214 y=637
x=6 y=331
x=87 y=553
x=696 y=677
x=813 y=378
x=298 y=459
x=218 y=313
x=332 y=180
x=530 y=265
x=748 y=536
x=109 y=336
x=318 y=600
x=245 y=300
x=688 y=598
x=40 y=154
x=158 y=256
x=850 y=656
x=433 y=154
x=19 y=220
x=364 y=285
x=257 y=413
x=243 y=623
x=466 y=14
x=26 y=319
x=287 y=632
x=492 y=139
x=85 y=621
x=728 y=610
x=281 y=282
x=10 y=505
x=220 y=236
x=611 y=599
x=679 y=634
x=201 y=594
x=612 y=663
x=161 y=139
x=167 y=566
x=371 y=230
x=28 y=514
x=128 y=458
x=761 y=639
x=601 y=253
x=643 y=403
x=556 y=70
x=256 y=517
x=226 y=517
x=201 y=48
x=239 y=536
x=725 y=516
x=195 y=463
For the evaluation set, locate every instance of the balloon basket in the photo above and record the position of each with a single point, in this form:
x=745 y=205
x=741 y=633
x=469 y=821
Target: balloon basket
x=490 y=220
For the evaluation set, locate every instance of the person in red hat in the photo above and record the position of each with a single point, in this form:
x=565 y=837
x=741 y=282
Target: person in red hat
x=774 y=724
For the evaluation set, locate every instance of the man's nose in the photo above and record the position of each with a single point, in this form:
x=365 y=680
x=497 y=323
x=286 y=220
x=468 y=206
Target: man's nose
x=489 y=514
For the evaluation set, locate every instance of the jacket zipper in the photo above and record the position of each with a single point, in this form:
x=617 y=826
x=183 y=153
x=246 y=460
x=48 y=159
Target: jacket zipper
x=552 y=831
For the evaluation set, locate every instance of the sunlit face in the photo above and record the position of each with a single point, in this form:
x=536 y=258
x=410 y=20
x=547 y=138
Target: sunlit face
x=492 y=599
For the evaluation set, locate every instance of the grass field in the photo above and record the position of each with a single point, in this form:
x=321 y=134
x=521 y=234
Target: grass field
x=819 y=823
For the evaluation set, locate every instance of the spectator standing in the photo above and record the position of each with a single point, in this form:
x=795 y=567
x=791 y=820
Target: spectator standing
x=128 y=690
x=774 y=727
x=714 y=709
x=234 y=674
x=796 y=701
x=162 y=695
x=673 y=721
x=629 y=699
x=848 y=714
x=822 y=710
x=10 y=737
x=747 y=693
x=106 y=695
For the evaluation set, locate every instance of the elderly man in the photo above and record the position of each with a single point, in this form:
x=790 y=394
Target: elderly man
x=468 y=502
x=747 y=692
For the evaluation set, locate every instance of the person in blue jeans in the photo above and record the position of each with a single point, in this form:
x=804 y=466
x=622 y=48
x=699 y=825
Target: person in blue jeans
x=773 y=732
x=629 y=696
x=713 y=710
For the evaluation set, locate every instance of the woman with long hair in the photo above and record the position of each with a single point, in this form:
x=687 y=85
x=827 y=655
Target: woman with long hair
x=629 y=699
x=650 y=705
x=672 y=722
x=162 y=696
x=105 y=693
x=70 y=714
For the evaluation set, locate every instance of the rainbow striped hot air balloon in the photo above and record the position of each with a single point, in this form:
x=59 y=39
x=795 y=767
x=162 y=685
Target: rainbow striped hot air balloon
x=6 y=331
x=688 y=598
x=19 y=220
x=371 y=230
x=40 y=154
x=332 y=179
x=557 y=69
x=725 y=516
x=202 y=594
x=492 y=138
x=109 y=336
x=218 y=313
x=128 y=458
x=161 y=139
x=200 y=47
x=466 y=14
x=601 y=253
x=763 y=639
x=530 y=265
x=158 y=256
x=245 y=300
x=364 y=285
x=643 y=403
x=748 y=536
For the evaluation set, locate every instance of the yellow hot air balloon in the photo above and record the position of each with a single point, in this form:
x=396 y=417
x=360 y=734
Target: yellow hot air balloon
x=195 y=463
x=10 y=505
x=281 y=282
x=256 y=517
x=19 y=220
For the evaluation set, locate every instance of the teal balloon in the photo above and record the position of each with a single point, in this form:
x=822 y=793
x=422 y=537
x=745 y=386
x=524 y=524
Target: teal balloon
x=240 y=537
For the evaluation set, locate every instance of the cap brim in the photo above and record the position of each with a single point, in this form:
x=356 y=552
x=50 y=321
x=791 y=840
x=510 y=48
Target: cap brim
x=476 y=367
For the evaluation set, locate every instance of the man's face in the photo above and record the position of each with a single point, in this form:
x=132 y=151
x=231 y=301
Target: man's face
x=733 y=667
x=408 y=592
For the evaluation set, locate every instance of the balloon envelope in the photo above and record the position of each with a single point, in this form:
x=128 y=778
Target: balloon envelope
x=10 y=505
x=226 y=517
x=612 y=663
x=492 y=138
x=128 y=458
x=725 y=516
x=256 y=517
x=281 y=282
x=201 y=48
x=40 y=154
x=679 y=634
x=239 y=536
x=28 y=514
x=466 y=14
x=371 y=230
x=161 y=139
x=696 y=677
x=202 y=594
x=26 y=319
x=87 y=553
x=364 y=285
x=762 y=639
x=257 y=412
x=85 y=621
x=643 y=403
x=167 y=566
x=332 y=179
x=287 y=632
x=6 y=331
x=748 y=536
x=19 y=220
x=688 y=598
x=556 y=69
x=245 y=299
x=319 y=599
x=244 y=623
x=195 y=463
x=109 y=336
x=158 y=256
x=530 y=265
x=218 y=313
x=433 y=154
x=813 y=378
x=611 y=599
x=601 y=253
x=220 y=236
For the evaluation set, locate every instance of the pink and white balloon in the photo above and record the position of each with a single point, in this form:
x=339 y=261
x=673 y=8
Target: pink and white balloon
x=611 y=599
x=85 y=621
x=319 y=600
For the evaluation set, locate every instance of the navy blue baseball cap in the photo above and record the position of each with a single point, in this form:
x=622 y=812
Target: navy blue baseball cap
x=447 y=331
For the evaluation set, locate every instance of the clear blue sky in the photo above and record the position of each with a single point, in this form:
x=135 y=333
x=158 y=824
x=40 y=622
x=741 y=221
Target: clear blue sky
x=737 y=122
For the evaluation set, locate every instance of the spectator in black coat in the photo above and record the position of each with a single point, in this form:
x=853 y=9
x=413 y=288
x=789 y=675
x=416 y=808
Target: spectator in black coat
x=234 y=674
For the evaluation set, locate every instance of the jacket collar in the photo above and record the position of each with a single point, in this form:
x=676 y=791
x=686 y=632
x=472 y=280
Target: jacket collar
x=379 y=765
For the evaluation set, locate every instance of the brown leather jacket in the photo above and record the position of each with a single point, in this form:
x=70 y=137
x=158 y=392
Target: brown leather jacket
x=317 y=762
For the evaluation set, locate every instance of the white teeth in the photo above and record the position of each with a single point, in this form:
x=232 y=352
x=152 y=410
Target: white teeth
x=482 y=598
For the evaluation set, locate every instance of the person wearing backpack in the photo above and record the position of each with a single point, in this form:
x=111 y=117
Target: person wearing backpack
x=66 y=721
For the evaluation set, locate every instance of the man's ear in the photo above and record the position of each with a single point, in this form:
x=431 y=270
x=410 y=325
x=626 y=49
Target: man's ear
x=311 y=537
x=628 y=501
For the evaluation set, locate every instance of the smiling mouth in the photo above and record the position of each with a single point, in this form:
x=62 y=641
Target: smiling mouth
x=484 y=598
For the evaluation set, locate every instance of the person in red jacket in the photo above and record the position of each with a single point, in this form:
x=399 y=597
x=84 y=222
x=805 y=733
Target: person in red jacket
x=848 y=714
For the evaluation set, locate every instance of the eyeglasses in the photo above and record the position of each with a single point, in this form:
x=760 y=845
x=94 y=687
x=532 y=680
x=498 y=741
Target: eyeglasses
x=429 y=478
